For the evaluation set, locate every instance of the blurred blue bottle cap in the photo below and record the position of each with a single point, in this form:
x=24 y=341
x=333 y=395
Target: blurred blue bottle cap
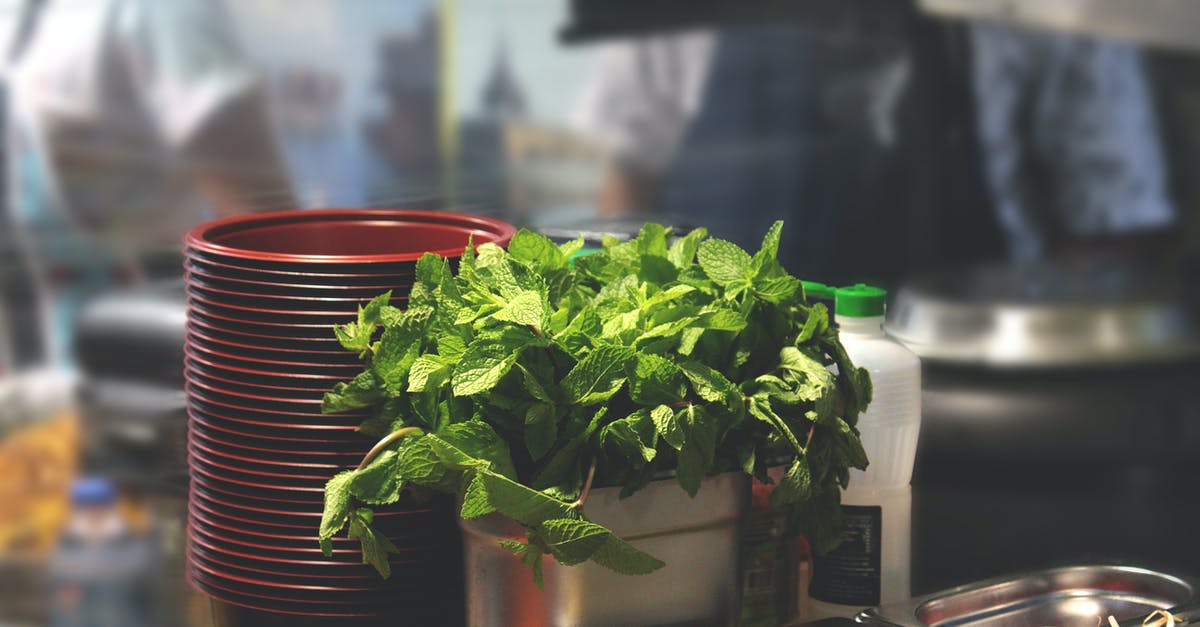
x=93 y=492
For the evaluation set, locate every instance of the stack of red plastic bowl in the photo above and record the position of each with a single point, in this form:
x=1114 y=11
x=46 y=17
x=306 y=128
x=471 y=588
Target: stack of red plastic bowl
x=264 y=294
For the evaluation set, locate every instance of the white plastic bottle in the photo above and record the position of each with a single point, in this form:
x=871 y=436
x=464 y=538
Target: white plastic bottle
x=872 y=566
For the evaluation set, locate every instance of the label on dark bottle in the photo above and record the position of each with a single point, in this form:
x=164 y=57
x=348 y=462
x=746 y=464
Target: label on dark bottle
x=849 y=575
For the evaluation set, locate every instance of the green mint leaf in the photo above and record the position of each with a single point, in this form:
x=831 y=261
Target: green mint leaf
x=669 y=427
x=598 y=376
x=658 y=270
x=721 y=320
x=540 y=429
x=699 y=447
x=451 y=347
x=397 y=349
x=417 y=463
x=770 y=245
x=467 y=443
x=573 y=541
x=378 y=483
x=431 y=270
x=683 y=251
x=820 y=520
x=475 y=501
x=620 y=556
x=849 y=447
x=816 y=323
x=535 y=387
x=711 y=385
x=337 y=504
x=761 y=409
x=724 y=262
x=536 y=251
x=563 y=471
x=522 y=504
x=363 y=391
x=481 y=368
x=356 y=336
x=816 y=380
x=652 y=240
x=428 y=372
x=622 y=436
x=528 y=308
x=655 y=380
x=570 y=248
x=516 y=547
x=796 y=485
x=375 y=546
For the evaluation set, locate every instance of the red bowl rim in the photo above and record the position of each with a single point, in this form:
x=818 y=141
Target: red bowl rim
x=219 y=499
x=229 y=466
x=268 y=588
x=236 y=440
x=202 y=237
x=250 y=483
x=203 y=503
x=346 y=315
x=205 y=446
x=223 y=377
x=204 y=334
x=200 y=284
x=207 y=418
x=282 y=278
x=204 y=361
x=233 y=433
x=269 y=606
x=202 y=555
x=189 y=379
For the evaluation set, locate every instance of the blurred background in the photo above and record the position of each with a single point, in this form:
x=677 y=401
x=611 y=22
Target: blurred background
x=1017 y=173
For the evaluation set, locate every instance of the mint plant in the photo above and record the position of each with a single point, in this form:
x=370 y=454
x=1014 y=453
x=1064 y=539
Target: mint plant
x=523 y=380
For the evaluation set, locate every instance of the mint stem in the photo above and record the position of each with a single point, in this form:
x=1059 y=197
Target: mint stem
x=387 y=441
x=587 y=486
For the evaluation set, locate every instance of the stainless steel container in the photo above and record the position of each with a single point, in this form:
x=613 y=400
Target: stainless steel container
x=1080 y=595
x=696 y=537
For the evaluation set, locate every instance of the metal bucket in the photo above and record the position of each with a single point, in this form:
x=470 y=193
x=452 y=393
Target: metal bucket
x=697 y=538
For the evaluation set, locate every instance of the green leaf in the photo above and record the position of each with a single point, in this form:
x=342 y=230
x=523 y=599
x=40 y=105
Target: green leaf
x=570 y=248
x=416 y=462
x=652 y=240
x=375 y=546
x=468 y=443
x=849 y=446
x=481 y=368
x=522 y=504
x=658 y=270
x=431 y=270
x=711 y=385
x=656 y=380
x=397 y=349
x=724 y=262
x=721 y=320
x=475 y=500
x=699 y=447
x=363 y=391
x=378 y=483
x=540 y=429
x=621 y=435
x=667 y=424
x=356 y=336
x=598 y=376
x=536 y=251
x=562 y=471
x=761 y=409
x=620 y=556
x=683 y=251
x=796 y=485
x=337 y=504
x=428 y=372
x=573 y=541
x=770 y=244
x=527 y=307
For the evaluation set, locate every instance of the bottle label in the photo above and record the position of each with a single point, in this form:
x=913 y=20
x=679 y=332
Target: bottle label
x=850 y=574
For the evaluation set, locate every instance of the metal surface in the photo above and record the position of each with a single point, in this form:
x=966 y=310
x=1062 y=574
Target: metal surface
x=1045 y=315
x=1168 y=23
x=1064 y=596
x=697 y=538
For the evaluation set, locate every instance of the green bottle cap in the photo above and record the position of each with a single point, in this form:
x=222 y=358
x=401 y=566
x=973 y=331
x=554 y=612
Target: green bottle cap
x=860 y=301
x=817 y=291
x=582 y=252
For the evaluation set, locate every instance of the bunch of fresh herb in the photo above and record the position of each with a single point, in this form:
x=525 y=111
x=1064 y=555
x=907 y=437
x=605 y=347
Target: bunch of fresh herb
x=522 y=380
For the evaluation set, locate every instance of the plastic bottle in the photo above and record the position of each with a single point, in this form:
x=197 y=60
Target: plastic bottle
x=101 y=574
x=872 y=566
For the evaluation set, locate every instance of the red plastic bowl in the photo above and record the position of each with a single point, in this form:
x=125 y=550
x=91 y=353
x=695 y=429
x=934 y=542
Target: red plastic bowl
x=275 y=427
x=221 y=452
x=273 y=367
x=277 y=384
x=217 y=339
x=321 y=345
x=257 y=445
x=296 y=284
x=263 y=377
x=265 y=311
x=281 y=330
x=344 y=236
x=375 y=274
